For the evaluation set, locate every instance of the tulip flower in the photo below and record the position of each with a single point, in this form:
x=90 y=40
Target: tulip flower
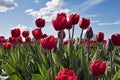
x=40 y=22
x=74 y=18
x=109 y=45
x=100 y=36
x=69 y=25
x=116 y=39
x=60 y=22
x=89 y=33
x=7 y=45
x=84 y=23
x=15 y=32
x=2 y=39
x=97 y=67
x=37 y=33
x=48 y=42
x=25 y=33
x=66 y=74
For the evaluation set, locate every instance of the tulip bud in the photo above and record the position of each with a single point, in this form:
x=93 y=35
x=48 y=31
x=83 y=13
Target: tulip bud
x=40 y=22
x=100 y=36
x=89 y=33
x=25 y=33
x=109 y=45
x=15 y=32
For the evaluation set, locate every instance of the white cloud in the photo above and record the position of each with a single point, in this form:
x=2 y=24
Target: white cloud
x=37 y=1
x=6 y=5
x=21 y=27
x=89 y=4
x=50 y=10
x=109 y=23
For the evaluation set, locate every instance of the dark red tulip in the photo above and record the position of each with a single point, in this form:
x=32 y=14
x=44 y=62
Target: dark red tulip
x=13 y=40
x=27 y=39
x=7 y=45
x=116 y=39
x=48 y=42
x=60 y=22
x=2 y=39
x=15 y=32
x=89 y=33
x=61 y=33
x=66 y=74
x=69 y=25
x=109 y=45
x=84 y=23
x=25 y=33
x=40 y=22
x=100 y=36
x=66 y=42
x=44 y=35
x=19 y=39
x=37 y=33
x=97 y=67
x=74 y=18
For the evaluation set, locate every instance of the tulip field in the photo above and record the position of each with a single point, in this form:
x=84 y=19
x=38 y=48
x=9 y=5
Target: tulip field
x=46 y=57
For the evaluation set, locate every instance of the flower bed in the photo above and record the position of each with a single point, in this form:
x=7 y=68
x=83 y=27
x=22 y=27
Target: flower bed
x=46 y=57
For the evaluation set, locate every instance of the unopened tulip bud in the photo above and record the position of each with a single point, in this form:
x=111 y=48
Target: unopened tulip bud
x=89 y=33
x=109 y=45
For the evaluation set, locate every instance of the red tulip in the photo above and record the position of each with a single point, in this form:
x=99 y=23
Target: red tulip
x=12 y=40
x=60 y=22
x=100 y=36
x=69 y=25
x=27 y=39
x=63 y=34
x=84 y=23
x=48 y=42
x=44 y=35
x=7 y=45
x=116 y=39
x=2 y=39
x=37 y=33
x=66 y=74
x=89 y=33
x=15 y=32
x=25 y=33
x=97 y=67
x=40 y=22
x=19 y=39
x=74 y=18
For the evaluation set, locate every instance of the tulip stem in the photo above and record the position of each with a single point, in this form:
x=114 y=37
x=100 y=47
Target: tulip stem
x=69 y=34
x=81 y=35
x=73 y=32
x=110 y=66
x=88 y=50
x=52 y=67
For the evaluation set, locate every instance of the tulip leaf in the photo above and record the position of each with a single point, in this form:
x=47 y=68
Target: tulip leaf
x=116 y=76
x=36 y=77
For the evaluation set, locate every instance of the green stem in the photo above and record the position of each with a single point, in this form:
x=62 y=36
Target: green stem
x=73 y=32
x=110 y=55
x=88 y=50
x=52 y=67
x=69 y=34
x=81 y=34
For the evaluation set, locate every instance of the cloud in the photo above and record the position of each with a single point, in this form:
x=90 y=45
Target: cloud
x=109 y=23
x=89 y=4
x=50 y=10
x=22 y=27
x=37 y=1
x=6 y=5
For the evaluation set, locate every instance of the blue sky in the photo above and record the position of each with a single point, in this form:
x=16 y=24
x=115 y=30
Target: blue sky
x=104 y=14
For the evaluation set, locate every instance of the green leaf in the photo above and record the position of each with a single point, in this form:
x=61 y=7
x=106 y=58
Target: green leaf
x=116 y=76
x=36 y=77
